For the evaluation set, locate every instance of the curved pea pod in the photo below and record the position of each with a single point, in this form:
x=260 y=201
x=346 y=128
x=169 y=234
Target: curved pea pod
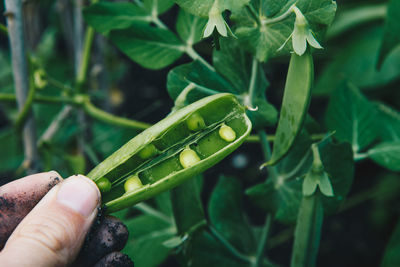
x=180 y=152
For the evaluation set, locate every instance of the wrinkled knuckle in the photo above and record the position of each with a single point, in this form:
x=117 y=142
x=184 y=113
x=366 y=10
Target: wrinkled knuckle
x=52 y=233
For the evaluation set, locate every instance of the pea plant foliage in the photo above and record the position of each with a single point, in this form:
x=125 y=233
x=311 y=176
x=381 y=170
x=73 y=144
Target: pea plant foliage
x=306 y=88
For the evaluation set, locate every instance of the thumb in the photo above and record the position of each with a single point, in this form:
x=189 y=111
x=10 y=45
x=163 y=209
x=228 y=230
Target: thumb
x=53 y=232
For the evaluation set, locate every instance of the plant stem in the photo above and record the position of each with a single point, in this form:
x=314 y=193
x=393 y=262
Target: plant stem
x=147 y=209
x=228 y=245
x=253 y=13
x=101 y=115
x=308 y=232
x=195 y=56
x=21 y=80
x=279 y=18
x=263 y=241
x=252 y=85
x=26 y=109
x=3 y=29
x=55 y=125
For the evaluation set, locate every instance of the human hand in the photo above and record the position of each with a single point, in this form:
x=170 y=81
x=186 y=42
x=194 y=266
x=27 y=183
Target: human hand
x=44 y=221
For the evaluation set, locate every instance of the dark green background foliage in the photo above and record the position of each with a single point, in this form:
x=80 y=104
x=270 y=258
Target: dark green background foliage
x=148 y=58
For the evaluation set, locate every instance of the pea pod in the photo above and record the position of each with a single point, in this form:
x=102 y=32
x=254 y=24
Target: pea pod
x=171 y=151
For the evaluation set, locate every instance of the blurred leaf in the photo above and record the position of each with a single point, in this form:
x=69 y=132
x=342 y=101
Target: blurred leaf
x=160 y=6
x=356 y=61
x=151 y=47
x=206 y=81
x=227 y=215
x=164 y=204
x=77 y=163
x=391 y=37
x=352 y=117
x=107 y=16
x=338 y=163
x=281 y=195
x=202 y=7
x=386 y=154
x=189 y=27
x=12 y=155
x=265 y=115
x=145 y=245
x=207 y=251
x=187 y=206
x=173 y=242
x=392 y=252
x=389 y=123
x=264 y=40
x=232 y=62
x=296 y=99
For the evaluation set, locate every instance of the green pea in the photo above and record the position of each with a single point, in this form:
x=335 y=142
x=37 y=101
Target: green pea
x=132 y=184
x=188 y=158
x=173 y=150
x=148 y=152
x=104 y=185
x=227 y=133
x=195 y=122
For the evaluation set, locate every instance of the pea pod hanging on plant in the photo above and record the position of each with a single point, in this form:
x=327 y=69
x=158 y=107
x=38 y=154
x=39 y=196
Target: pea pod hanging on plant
x=185 y=143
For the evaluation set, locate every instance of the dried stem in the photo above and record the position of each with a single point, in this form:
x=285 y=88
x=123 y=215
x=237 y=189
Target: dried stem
x=21 y=80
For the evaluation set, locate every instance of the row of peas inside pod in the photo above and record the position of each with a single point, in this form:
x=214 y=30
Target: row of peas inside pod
x=185 y=143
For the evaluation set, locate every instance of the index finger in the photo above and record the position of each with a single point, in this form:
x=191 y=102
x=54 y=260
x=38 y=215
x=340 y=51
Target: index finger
x=19 y=197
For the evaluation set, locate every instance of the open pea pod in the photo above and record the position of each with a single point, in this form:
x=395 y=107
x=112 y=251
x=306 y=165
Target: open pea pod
x=185 y=143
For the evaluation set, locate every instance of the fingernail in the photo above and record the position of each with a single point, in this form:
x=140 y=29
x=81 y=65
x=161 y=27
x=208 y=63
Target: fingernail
x=79 y=194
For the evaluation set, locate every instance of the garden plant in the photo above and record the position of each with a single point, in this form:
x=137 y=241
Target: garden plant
x=221 y=132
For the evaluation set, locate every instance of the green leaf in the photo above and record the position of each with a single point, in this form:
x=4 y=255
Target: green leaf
x=264 y=39
x=391 y=38
x=187 y=206
x=227 y=214
x=147 y=236
x=202 y=7
x=282 y=195
x=189 y=27
x=337 y=160
x=207 y=251
x=266 y=114
x=355 y=61
x=295 y=104
x=392 y=251
x=352 y=117
x=206 y=81
x=387 y=155
x=151 y=47
x=157 y=7
x=9 y=143
x=107 y=16
x=389 y=123
x=232 y=62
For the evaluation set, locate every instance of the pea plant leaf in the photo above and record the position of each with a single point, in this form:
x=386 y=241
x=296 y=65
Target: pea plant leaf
x=151 y=47
x=187 y=207
x=391 y=38
x=281 y=195
x=189 y=27
x=14 y=157
x=356 y=63
x=391 y=257
x=157 y=7
x=389 y=123
x=107 y=16
x=226 y=214
x=295 y=104
x=232 y=62
x=352 y=117
x=202 y=7
x=386 y=154
x=233 y=69
x=149 y=233
x=263 y=38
